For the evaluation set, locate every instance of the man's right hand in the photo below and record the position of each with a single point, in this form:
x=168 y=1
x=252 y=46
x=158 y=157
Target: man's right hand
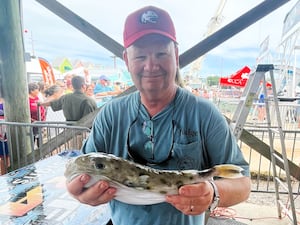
x=99 y=193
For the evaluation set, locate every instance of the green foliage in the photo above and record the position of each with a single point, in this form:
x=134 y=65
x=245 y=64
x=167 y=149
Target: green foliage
x=212 y=80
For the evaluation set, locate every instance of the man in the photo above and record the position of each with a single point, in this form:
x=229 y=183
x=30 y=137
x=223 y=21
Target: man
x=74 y=105
x=102 y=88
x=187 y=132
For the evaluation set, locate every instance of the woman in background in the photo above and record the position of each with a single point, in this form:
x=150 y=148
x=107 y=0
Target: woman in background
x=37 y=113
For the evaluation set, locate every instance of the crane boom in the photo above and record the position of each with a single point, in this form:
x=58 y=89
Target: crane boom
x=213 y=25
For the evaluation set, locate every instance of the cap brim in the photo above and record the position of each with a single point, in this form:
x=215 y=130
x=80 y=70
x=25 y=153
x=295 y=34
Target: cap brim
x=143 y=33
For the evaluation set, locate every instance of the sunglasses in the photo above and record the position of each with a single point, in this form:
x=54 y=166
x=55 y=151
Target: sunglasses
x=146 y=156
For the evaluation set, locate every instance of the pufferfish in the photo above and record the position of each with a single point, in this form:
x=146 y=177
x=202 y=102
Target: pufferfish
x=138 y=184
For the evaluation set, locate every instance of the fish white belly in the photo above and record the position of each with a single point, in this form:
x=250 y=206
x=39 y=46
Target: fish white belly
x=136 y=196
x=130 y=195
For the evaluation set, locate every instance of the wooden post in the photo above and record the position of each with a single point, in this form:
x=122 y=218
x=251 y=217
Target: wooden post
x=13 y=76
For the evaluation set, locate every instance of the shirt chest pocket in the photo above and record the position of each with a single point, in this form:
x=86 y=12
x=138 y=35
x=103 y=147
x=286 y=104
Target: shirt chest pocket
x=187 y=156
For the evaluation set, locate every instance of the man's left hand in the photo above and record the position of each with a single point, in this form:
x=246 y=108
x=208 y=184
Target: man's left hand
x=192 y=199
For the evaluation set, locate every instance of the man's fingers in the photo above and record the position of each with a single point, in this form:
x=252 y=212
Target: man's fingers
x=193 y=189
x=97 y=194
x=76 y=186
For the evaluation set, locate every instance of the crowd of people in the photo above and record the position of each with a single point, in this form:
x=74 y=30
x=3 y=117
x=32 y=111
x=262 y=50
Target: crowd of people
x=46 y=97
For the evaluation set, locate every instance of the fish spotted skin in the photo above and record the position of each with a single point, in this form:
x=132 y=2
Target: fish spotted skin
x=133 y=179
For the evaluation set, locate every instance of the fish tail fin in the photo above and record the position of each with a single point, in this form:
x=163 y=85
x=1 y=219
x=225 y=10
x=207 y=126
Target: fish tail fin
x=228 y=171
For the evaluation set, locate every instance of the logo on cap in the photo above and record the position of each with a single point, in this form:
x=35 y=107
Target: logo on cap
x=149 y=17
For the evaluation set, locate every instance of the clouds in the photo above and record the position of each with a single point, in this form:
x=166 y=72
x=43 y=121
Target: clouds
x=53 y=37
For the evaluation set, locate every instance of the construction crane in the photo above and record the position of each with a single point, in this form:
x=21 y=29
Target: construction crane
x=213 y=25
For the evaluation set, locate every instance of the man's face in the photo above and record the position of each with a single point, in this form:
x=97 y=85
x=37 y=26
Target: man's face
x=104 y=82
x=152 y=62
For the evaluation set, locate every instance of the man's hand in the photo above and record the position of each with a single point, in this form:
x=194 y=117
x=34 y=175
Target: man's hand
x=99 y=193
x=192 y=199
x=195 y=199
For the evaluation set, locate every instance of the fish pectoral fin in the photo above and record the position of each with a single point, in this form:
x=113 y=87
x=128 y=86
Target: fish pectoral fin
x=140 y=182
x=129 y=183
x=143 y=179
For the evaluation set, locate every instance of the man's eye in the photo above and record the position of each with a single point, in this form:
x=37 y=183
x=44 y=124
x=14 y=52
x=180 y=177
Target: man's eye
x=141 y=57
x=161 y=54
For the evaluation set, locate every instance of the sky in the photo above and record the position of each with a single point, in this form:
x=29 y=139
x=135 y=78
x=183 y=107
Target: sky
x=52 y=38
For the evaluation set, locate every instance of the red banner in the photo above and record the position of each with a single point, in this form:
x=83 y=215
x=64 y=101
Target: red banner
x=238 y=79
x=233 y=82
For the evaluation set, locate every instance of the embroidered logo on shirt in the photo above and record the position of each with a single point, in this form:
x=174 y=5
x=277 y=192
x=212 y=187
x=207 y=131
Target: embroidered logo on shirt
x=189 y=132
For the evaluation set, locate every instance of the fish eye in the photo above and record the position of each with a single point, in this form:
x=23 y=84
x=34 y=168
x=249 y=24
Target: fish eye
x=99 y=166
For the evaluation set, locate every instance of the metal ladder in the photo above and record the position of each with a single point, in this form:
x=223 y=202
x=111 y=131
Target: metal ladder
x=239 y=119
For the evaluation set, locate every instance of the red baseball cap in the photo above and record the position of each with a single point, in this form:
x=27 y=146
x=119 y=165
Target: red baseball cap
x=148 y=20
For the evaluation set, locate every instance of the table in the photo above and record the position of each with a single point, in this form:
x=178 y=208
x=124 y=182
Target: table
x=36 y=194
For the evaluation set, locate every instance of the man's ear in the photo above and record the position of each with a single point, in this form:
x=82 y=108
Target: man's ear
x=125 y=57
x=177 y=55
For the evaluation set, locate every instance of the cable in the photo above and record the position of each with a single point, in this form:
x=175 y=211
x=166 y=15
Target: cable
x=229 y=213
x=223 y=212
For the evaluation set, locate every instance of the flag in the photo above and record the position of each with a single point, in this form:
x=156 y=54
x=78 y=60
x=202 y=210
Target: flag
x=65 y=66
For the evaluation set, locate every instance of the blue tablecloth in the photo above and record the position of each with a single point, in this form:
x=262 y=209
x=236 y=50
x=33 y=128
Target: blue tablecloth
x=36 y=194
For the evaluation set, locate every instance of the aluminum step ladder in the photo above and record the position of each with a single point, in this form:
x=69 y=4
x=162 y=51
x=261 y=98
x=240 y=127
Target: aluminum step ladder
x=256 y=79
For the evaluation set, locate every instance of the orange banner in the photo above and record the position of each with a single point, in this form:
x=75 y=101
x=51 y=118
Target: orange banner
x=47 y=71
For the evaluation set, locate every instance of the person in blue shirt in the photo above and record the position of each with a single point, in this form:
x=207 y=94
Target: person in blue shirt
x=187 y=132
x=261 y=107
x=103 y=92
x=102 y=85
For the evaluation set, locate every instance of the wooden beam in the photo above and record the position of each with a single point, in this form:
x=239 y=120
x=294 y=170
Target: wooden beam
x=13 y=76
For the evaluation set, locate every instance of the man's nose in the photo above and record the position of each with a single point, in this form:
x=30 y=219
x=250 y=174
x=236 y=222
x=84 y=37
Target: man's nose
x=151 y=64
